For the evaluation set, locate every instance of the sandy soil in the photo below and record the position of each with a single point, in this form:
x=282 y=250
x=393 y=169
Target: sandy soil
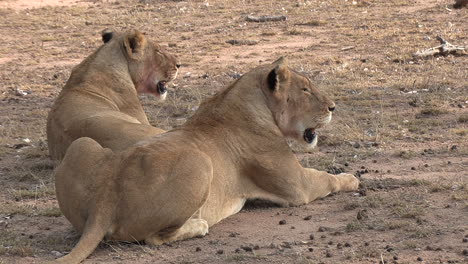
x=401 y=124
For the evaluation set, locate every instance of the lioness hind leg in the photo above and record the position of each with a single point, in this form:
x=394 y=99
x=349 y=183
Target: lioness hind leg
x=192 y=228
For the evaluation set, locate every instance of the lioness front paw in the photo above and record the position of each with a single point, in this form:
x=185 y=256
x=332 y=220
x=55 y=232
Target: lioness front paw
x=348 y=182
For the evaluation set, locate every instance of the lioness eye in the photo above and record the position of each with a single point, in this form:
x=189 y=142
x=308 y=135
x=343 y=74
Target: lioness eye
x=305 y=89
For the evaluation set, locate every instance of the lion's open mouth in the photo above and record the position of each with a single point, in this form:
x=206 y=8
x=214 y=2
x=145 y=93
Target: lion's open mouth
x=310 y=135
x=161 y=86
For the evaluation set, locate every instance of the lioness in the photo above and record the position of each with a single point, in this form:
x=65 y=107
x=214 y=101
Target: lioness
x=232 y=149
x=100 y=98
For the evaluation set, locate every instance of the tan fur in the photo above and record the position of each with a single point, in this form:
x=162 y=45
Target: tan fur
x=175 y=185
x=100 y=98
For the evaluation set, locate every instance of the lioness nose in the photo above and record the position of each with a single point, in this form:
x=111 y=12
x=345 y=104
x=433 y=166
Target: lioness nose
x=331 y=108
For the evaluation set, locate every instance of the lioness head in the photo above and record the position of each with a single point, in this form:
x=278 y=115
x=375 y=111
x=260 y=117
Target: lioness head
x=150 y=66
x=298 y=107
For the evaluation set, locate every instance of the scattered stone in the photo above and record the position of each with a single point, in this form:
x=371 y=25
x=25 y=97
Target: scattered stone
x=220 y=252
x=233 y=234
x=323 y=236
x=339 y=246
x=395 y=257
x=330 y=243
x=454 y=148
x=465 y=240
x=256 y=247
x=293 y=227
x=329 y=254
x=286 y=244
x=324 y=229
x=426 y=165
x=311 y=237
x=311 y=249
x=413 y=168
x=347 y=244
x=388 y=248
x=235 y=75
x=56 y=253
x=247 y=248
x=366 y=244
x=465 y=252
x=419 y=259
x=356 y=145
x=20 y=145
x=197 y=249
x=362 y=192
x=346 y=164
x=282 y=222
x=362 y=214
x=307 y=218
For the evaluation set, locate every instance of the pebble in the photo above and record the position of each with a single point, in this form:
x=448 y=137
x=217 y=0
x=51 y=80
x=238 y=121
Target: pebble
x=247 y=248
x=329 y=254
x=311 y=237
x=324 y=229
x=311 y=249
x=282 y=222
x=198 y=249
x=56 y=253
x=465 y=252
x=465 y=240
x=362 y=214
x=307 y=218
x=419 y=259
x=220 y=251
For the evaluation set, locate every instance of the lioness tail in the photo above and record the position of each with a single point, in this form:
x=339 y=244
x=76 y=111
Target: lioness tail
x=95 y=229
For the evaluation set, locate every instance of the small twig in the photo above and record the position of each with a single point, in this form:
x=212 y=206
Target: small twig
x=444 y=49
x=347 y=48
x=265 y=18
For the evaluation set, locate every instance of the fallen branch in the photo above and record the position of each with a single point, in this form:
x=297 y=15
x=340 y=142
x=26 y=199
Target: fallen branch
x=444 y=49
x=241 y=42
x=347 y=48
x=265 y=18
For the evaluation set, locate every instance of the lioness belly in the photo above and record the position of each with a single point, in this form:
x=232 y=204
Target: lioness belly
x=213 y=213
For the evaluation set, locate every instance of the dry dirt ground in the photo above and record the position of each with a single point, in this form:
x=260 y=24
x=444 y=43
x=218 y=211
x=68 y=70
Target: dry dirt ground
x=401 y=123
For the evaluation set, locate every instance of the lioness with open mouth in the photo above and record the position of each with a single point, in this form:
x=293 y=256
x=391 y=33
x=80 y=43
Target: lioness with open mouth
x=176 y=185
x=100 y=98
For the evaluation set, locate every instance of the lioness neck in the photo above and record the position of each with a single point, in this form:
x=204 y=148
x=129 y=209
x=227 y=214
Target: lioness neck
x=239 y=111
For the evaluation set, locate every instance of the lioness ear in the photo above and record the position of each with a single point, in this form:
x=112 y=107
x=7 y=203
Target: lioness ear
x=278 y=75
x=107 y=35
x=281 y=61
x=135 y=44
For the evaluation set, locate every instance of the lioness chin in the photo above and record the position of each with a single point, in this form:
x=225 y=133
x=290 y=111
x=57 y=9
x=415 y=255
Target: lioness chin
x=231 y=150
x=100 y=98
